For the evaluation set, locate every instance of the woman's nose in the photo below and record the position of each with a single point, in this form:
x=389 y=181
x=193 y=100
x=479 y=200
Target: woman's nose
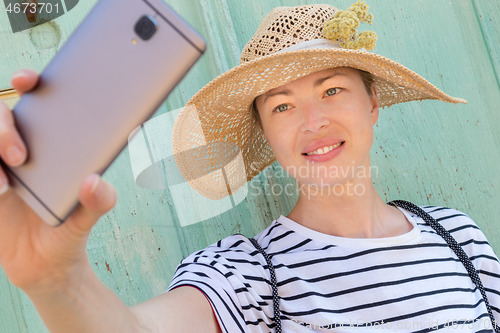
x=313 y=117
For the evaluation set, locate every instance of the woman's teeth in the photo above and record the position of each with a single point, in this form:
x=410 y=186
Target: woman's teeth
x=324 y=150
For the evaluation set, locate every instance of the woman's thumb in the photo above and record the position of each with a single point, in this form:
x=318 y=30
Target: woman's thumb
x=97 y=197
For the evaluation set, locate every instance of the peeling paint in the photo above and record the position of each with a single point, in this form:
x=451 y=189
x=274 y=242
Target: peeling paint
x=46 y=36
x=108 y=268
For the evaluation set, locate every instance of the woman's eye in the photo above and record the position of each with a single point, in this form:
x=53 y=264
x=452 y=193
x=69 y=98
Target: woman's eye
x=332 y=91
x=282 y=108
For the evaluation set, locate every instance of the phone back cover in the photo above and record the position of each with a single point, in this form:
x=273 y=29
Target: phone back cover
x=95 y=91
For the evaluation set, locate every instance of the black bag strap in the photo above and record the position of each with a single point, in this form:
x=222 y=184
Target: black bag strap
x=453 y=244
x=274 y=285
x=440 y=230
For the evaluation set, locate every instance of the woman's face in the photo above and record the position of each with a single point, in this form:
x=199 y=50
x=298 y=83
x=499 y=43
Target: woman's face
x=320 y=127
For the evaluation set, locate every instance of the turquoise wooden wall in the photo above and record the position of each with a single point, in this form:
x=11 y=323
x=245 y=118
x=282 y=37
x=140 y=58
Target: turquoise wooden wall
x=427 y=152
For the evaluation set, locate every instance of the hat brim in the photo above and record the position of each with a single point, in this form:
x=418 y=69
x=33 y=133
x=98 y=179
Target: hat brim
x=220 y=112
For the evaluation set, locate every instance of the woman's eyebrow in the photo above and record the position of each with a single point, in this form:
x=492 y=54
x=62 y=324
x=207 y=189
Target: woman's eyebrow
x=320 y=81
x=285 y=92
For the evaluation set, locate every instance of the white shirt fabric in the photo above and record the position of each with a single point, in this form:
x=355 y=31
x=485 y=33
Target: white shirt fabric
x=408 y=283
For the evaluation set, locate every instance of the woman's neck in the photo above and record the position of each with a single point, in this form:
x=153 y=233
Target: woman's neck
x=353 y=210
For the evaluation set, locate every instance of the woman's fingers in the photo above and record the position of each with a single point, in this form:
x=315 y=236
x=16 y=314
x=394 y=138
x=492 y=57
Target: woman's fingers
x=12 y=148
x=4 y=183
x=24 y=80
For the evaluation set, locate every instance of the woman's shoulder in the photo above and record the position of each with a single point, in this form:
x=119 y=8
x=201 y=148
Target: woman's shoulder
x=449 y=217
x=234 y=246
x=459 y=224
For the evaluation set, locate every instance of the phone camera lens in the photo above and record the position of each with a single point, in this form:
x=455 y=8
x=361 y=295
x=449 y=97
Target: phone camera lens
x=146 y=27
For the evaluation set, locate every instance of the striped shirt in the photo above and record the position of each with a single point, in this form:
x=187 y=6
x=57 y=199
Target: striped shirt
x=407 y=283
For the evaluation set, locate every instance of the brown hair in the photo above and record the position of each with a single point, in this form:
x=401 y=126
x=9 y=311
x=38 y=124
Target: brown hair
x=368 y=81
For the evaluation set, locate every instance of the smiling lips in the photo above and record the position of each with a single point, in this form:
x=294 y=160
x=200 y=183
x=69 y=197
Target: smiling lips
x=324 y=150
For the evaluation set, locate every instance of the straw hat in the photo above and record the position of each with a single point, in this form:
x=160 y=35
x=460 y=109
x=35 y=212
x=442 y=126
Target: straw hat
x=218 y=145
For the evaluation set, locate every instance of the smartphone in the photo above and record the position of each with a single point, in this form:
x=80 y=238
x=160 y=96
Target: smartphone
x=110 y=76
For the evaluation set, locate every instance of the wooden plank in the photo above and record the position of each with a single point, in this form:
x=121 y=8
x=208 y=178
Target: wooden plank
x=459 y=172
x=486 y=13
x=11 y=318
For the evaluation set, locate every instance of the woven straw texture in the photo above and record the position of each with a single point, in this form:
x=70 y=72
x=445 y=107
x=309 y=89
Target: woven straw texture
x=218 y=145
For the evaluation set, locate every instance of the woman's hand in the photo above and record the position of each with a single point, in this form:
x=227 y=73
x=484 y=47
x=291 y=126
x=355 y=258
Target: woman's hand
x=34 y=255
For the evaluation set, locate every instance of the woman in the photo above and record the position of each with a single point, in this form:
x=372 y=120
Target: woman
x=341 y=259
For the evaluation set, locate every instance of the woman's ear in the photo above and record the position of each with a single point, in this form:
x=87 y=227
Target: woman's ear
x=374 y=105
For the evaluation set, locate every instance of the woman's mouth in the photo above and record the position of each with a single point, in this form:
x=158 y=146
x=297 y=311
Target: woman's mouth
x=324 y=150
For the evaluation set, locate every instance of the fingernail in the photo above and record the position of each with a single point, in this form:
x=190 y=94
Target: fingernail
x=95 y=189
x=17 y=75
x=4 y=185
x=15 y=156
